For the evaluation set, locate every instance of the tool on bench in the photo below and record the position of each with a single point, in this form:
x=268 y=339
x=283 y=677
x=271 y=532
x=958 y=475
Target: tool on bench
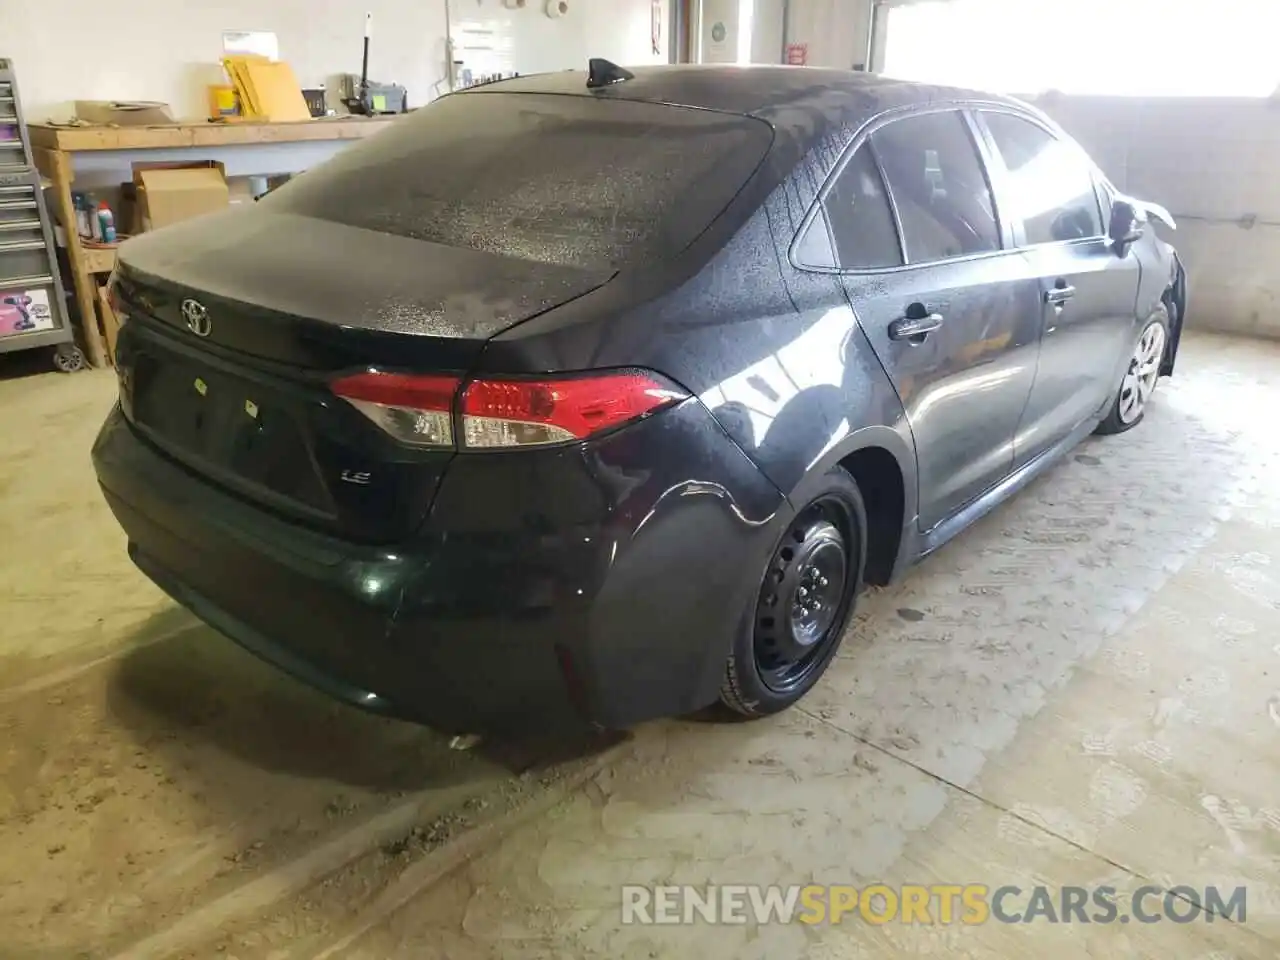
x=367 y=98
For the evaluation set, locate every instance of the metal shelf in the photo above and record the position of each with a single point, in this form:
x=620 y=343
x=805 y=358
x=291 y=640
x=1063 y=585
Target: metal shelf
x=13 y=246
x=9 y=283
x=28 y=256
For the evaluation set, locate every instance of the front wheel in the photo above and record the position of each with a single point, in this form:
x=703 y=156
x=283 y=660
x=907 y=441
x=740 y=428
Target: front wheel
x=803 y=603
x=1140 y=377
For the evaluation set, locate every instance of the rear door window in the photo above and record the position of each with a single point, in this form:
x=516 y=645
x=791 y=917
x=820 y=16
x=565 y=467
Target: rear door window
x=577 y=181
x=853 y=228
x=860 y=218
x=1049 y=183
x=938 y=186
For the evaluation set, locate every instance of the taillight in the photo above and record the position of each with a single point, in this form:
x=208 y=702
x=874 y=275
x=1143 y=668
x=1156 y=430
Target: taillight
x=504 y=413
x=521 y=413
x=417 y=410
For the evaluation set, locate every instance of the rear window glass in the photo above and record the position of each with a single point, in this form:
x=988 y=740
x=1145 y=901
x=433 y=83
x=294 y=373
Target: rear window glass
x=576 y=181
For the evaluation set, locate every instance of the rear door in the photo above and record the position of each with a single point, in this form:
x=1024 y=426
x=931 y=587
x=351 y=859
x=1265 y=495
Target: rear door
x=1087 y=291
x=952 y=316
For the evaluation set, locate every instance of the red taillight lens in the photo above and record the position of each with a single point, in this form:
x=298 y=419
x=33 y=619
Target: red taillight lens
x=503 y=413
x=416 y=410
x=520 y=413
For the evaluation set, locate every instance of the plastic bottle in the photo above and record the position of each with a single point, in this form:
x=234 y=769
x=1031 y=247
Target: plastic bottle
x=82 y=216
x=107 y=223
x=95 y=222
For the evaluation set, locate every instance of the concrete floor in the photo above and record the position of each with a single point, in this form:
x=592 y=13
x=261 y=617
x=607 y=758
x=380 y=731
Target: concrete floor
x=1076 y=691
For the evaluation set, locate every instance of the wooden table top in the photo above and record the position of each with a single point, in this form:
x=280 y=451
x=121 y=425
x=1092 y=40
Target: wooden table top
x=203 y=134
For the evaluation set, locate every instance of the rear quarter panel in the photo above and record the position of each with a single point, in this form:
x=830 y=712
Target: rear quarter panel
x=776 y=354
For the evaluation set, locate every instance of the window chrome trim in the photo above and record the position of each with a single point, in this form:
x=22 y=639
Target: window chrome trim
x=861 y=136
x=892 y=200
x=1010 y=226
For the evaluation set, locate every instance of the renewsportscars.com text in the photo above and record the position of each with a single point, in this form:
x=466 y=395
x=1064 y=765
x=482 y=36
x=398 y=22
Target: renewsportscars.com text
x=968 y=904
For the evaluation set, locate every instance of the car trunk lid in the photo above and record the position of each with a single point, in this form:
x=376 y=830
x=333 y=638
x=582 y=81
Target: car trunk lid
x=238 y=323
x=319 y=295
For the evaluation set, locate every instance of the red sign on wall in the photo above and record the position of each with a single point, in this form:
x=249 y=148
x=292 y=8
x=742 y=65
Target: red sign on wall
x=797 y=54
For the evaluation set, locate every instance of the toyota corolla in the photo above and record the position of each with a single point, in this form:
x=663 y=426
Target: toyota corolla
x=599 y=396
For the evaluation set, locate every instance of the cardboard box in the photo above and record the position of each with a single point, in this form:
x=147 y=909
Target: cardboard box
x=124 y=113
x=171 y=193
x=129 y=211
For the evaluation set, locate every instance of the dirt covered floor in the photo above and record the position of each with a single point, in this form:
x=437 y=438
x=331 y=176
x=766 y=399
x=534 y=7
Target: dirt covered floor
x=1084 y=689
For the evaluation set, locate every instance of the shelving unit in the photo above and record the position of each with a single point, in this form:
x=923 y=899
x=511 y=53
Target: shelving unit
x=32 y=307
x=56 y=149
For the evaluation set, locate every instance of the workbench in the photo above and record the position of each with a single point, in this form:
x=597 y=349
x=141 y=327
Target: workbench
x=59 y=150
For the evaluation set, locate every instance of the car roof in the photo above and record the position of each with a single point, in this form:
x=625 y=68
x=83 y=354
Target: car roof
x=804 y=107
x=764 y=91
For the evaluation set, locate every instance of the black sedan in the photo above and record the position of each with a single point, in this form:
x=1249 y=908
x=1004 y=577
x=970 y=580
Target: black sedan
x=598 y=397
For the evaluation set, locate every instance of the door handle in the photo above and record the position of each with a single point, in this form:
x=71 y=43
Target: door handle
x=909 y=328
x=1059 y=295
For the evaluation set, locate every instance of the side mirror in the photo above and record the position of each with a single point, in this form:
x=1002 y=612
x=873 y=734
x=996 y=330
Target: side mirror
x=1127 y=226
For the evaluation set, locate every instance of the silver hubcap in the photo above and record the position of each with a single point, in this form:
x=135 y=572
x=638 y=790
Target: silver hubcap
x=1144 y=370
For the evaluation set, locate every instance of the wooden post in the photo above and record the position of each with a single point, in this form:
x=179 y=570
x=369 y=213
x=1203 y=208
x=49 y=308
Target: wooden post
x=56 y=165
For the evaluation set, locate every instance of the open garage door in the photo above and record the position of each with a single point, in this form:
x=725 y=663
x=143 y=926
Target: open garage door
x=1115 y=47
x=1175 y=101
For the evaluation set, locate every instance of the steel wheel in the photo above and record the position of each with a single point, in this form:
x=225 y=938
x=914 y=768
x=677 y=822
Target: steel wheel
x=1144 y=370
x=801 y=603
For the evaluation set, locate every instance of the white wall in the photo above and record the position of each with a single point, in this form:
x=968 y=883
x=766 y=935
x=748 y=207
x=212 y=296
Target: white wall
x=835 y=30
x=717 y=31
x=621 y=31
x=168 y=50
x=490 y=38
x=767 y=31
x=1212 y=163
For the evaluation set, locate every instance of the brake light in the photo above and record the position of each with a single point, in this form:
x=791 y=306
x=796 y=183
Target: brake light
x=416 y=410
x=503 y=413
x=519 y=413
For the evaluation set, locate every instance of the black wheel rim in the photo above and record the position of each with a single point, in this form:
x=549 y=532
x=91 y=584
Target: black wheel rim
x=802 y=600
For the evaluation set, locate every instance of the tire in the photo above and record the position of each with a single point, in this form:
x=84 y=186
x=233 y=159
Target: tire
x=803 y=603
x=1140 y=376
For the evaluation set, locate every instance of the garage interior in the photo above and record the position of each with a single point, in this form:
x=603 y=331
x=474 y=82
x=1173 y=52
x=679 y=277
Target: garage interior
x=1074 y=692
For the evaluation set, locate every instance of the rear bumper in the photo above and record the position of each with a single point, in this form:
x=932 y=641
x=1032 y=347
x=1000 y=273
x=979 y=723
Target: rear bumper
x=595 y=584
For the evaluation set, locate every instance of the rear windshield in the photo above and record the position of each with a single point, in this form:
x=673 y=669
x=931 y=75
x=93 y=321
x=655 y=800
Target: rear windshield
x=577 y=181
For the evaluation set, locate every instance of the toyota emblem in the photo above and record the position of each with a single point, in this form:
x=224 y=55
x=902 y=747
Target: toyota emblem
x=197 y=317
